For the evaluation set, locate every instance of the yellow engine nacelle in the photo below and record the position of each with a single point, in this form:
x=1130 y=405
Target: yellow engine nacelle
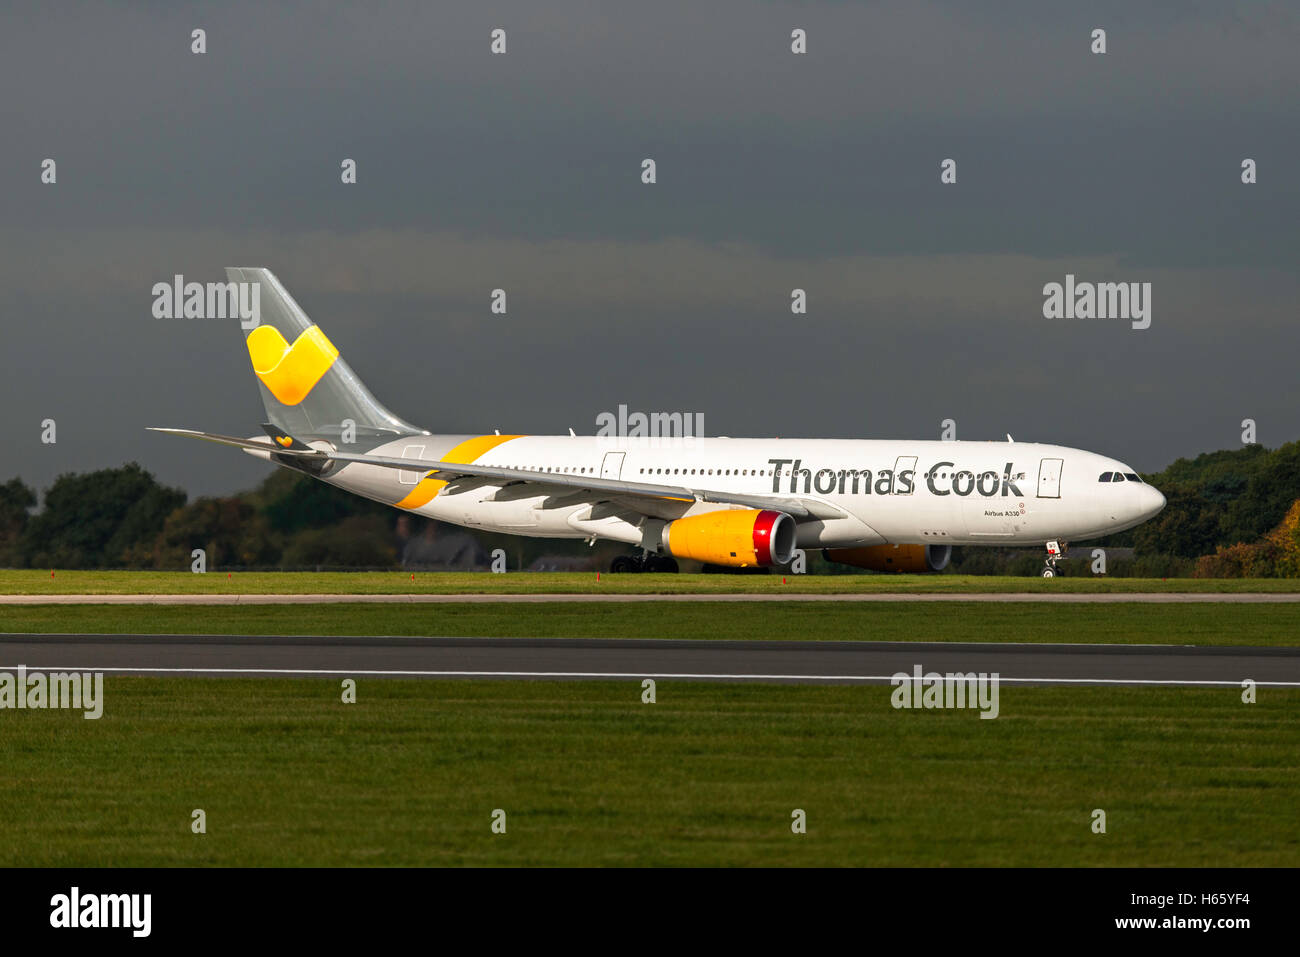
x=893 y=558
x=741 y=538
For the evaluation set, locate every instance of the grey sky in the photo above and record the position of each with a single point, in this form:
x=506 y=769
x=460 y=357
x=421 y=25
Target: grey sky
x=775 y=171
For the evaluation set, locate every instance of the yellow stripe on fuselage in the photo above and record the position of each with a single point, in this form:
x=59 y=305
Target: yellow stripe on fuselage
x=465 y=453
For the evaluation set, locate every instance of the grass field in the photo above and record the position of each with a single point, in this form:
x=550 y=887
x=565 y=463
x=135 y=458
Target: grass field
x=1215 y=624
x=709 y=775
x=38 y=582
x=588 y=775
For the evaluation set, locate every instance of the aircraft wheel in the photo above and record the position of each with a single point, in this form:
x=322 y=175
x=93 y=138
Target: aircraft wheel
x=1049 y=572
x=662 y=564
x=624 y=563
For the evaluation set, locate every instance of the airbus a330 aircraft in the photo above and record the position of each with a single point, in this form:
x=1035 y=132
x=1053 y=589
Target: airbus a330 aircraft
x=883 y=505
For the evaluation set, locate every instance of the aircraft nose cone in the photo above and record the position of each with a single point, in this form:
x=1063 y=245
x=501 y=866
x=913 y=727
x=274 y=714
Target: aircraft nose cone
x=1153 y=501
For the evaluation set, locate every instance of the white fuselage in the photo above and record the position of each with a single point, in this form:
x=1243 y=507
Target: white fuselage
x=883 y=491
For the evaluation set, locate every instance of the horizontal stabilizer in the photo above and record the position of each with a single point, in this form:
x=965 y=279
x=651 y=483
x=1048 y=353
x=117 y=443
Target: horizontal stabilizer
x=261 y=445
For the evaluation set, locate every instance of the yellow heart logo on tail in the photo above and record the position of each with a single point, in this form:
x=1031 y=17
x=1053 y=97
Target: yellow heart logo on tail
x=284 y=440
x=290 y=372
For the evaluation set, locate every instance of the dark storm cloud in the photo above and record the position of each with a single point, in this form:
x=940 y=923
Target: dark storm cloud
x=775 y=171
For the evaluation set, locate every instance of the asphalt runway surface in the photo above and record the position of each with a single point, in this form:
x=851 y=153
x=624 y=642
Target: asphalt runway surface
x=806 y=662
x=1159 y=598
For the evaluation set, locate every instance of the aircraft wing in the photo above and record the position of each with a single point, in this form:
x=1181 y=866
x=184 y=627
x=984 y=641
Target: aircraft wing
x=799 y=508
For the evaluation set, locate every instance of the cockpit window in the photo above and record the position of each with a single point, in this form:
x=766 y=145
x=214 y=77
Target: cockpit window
x=1105 y=477
x=1131 y=476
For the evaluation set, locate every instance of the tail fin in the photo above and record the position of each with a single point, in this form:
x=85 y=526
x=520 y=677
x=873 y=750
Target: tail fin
x=307 y=388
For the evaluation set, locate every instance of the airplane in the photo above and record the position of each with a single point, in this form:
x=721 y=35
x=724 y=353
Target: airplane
x=882 y=505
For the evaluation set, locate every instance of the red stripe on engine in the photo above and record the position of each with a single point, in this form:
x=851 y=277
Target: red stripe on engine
x=763 y=526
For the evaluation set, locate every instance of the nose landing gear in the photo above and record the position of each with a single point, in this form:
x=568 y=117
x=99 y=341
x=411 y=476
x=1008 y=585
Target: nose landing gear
x=1055 y=553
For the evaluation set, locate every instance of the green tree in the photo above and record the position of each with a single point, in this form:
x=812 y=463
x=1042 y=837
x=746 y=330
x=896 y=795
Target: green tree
x=1266 y=497
x=229 y=530
x=291 y=501
x=1188 y=526
x=359 y=541
x=92 y=520
x=16 y=499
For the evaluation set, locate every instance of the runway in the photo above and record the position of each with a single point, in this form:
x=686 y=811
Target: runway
x=1158 y=598
x=810 y=662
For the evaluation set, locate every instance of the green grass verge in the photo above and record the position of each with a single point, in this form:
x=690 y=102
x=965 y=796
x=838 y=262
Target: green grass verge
x=1214 y=624
x=38 y=582
x=588 y=775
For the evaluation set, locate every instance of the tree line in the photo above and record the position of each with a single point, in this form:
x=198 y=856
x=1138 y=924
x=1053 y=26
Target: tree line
x=124 y=518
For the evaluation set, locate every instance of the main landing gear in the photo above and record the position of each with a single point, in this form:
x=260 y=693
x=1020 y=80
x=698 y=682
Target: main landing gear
x=649 y=563
x=1055 y=553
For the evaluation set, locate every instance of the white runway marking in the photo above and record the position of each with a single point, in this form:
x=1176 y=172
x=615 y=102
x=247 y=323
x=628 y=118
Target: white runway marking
x=631 y=675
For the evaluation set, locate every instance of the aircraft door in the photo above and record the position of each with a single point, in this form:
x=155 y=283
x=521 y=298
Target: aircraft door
x=411 y=477
x=1049 y=478
x=611 y=467
x=904 y=463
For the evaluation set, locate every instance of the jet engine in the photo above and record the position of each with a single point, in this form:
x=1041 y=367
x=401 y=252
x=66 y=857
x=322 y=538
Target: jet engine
x=893 y=558
x=741 y=538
